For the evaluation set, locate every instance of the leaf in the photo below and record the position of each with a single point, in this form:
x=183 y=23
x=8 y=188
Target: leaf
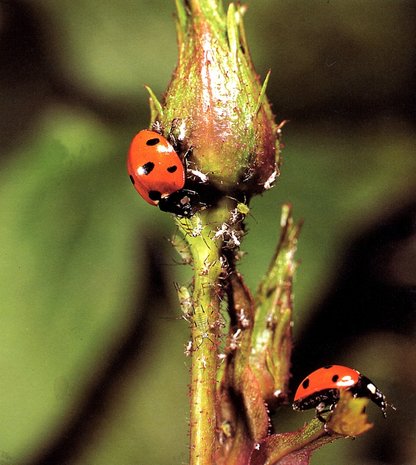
x=272 y=332
x=349 y=418
x=65 y=270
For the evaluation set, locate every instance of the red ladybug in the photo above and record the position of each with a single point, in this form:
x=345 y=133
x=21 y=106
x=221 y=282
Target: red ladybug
x=321 y=389
x=158 y=174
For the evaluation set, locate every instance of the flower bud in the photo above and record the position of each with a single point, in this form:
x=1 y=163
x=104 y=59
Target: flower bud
x=215 y=104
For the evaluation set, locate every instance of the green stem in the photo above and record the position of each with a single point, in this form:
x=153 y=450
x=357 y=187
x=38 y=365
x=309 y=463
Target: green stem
x=206 y=321
x=204 y=362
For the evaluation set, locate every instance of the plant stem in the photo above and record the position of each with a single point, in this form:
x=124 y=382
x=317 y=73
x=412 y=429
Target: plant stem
x=205 y=324
x=204 y=364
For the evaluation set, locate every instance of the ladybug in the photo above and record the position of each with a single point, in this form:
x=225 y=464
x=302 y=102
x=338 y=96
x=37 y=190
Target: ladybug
x=158 y=174
x=321 y=389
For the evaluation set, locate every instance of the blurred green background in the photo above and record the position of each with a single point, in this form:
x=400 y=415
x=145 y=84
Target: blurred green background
x=91 y=352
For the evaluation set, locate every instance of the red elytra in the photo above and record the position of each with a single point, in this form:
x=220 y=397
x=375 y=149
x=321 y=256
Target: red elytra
x=154 y=167
x=331 y=377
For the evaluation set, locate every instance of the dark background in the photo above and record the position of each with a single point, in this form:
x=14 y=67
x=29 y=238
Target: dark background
x=93 y=370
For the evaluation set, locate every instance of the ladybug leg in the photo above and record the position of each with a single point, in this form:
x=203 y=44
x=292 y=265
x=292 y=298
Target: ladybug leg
x=320 y=408
x=328 y=430
x=174 y=142
x=323 y=408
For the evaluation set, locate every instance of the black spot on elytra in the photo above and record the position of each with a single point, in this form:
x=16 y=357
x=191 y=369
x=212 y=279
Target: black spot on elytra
x=172 y=169
x=155 y=195
x=305 y=383
x=327 y=367
x=153 y=141
x=131 y=179
x=148 y=167
x=335 y=378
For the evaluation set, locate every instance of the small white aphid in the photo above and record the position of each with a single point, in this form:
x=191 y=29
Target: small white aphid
x=271 y=179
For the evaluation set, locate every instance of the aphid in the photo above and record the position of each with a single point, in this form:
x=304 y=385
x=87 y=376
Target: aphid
x=243 y=319
x=188 y=349
x=270 y=180
x=235 y=340
x=203 y=178
x=186 y=303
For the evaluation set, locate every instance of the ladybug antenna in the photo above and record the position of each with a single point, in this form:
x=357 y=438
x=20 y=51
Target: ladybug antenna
x=391 y=406
x=384 y=405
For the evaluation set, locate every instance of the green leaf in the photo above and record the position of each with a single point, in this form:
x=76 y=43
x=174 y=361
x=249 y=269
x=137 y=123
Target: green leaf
x=66 y=270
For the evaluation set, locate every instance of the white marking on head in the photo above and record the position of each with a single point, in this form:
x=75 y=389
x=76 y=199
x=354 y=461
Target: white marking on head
x=371 y=388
